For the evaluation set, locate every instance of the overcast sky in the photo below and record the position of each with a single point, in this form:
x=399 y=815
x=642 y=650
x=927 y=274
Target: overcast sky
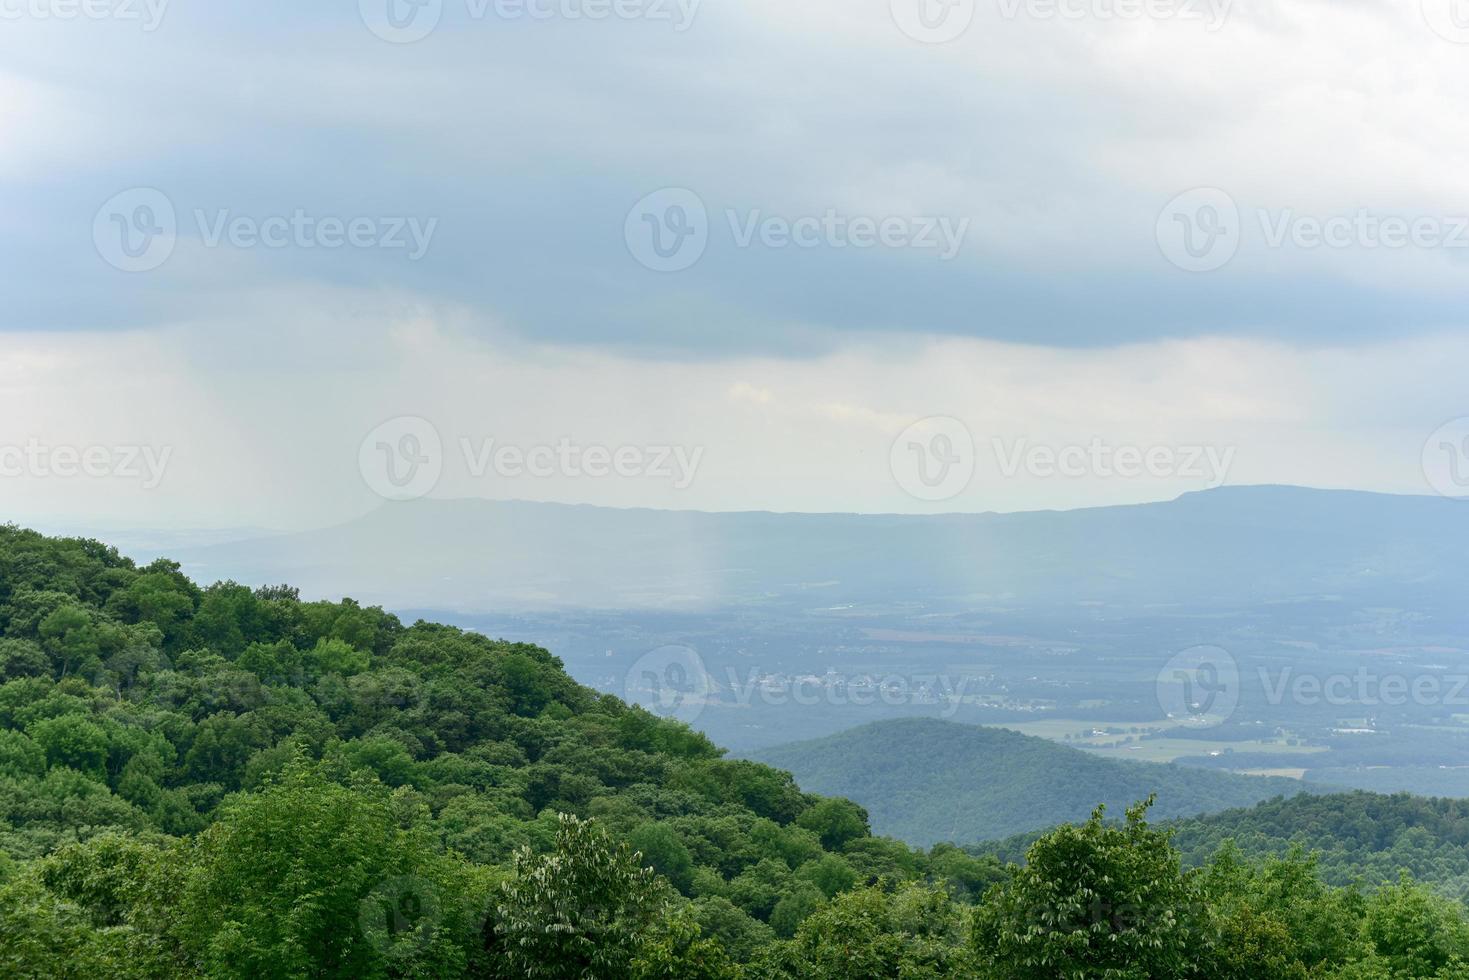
x=267 y=263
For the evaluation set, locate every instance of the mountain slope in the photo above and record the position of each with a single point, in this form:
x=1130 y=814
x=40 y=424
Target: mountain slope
x=1263 y=543
x=926 y=781
x=1359 y=837
x=226 y=782
x=134 y=701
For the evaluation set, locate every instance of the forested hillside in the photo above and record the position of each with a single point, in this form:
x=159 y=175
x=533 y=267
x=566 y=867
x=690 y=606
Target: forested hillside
x=926 y=781
x=229 y=782
x=1361 y=838
x=1358 y=839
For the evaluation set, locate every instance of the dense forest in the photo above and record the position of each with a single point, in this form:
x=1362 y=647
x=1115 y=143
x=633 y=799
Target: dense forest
x=924 y=780
x=1357 y=839
x=230 y=782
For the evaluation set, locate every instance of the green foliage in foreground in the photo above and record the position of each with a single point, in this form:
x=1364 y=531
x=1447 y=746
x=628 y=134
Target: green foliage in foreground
x=228 y=782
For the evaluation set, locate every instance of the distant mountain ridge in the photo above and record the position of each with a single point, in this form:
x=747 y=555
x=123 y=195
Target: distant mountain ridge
x=1225 y=546
x=925 y=781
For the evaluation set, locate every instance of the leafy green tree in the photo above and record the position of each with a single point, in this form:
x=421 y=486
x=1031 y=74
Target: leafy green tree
x=1417 y=934
x=835 y=821
x=309 y=877
x=881 y=857
x=274 y=663
x=678 y=951
x=160 y=595
x=969 y=876
x=742 y=936
x=759 y=887
x=1095 y=900
x=334 y=656
x=586 y=910
x=830 y=874
x=22 y=658
x=799 y=901
x=73 y=741
x=1277 y=919
x=664 y=852
x=870 y=933
x=19 y=756
x=74 y=643
x=44 y=936
x=792 y=844
x=385 y=757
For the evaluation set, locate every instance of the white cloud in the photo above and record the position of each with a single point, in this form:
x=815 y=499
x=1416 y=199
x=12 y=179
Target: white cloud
x=529 y=321
x=255 y=440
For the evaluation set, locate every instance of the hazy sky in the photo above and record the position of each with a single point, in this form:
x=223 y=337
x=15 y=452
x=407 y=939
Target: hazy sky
x=264 y=264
